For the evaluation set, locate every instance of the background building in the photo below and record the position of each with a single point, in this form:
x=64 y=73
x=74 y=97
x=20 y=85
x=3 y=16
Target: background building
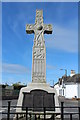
x=69 y=86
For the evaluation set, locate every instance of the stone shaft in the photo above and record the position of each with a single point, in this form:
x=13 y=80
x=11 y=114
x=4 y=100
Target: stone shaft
x=39 y=50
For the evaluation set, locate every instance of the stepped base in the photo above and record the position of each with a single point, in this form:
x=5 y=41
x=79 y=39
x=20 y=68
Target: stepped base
x=36 y=92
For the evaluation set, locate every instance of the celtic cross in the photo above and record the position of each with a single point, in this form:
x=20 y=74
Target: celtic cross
x=39 y=50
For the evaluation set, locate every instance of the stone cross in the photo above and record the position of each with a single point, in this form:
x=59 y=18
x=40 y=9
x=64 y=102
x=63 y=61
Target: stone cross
x=39 y=50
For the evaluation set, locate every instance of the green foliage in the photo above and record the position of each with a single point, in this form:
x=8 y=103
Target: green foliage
x=18 y=86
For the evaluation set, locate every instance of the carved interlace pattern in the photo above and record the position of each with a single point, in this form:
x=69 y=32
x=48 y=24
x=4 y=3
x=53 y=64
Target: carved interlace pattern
x=39 y=50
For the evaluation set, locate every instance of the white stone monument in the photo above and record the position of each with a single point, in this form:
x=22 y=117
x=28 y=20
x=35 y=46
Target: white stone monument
x=38 y=66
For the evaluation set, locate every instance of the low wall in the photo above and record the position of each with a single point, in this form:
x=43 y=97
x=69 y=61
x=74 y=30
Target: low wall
x=9 y=94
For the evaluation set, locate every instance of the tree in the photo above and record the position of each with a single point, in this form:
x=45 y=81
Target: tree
x=18 y=86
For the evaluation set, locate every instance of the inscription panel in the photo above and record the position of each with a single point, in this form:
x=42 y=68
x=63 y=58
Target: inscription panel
x=28 y=100
x=38 y=99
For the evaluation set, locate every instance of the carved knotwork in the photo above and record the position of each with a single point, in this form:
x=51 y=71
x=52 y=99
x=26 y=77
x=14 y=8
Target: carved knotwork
x=39 y=17
x=39 y=27
x=29 y=28
x=48 y=29
x=39 y=52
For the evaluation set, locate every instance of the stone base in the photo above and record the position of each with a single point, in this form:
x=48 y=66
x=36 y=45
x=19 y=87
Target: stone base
x=37 y=86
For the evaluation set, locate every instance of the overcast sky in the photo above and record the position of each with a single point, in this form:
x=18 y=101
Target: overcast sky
x=61 y=45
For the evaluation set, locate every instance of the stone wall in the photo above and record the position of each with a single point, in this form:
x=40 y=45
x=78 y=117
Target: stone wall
x=9 y=94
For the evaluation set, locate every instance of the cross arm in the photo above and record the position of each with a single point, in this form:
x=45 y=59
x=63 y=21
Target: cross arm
x=48 y=29
x=29 y=28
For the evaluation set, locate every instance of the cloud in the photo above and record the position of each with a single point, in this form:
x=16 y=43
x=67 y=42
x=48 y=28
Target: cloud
x=50 y=67
x=15 y=28
x=14 y=69
x=65 y=39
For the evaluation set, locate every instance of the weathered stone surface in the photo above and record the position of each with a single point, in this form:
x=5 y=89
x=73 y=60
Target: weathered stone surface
x=38 y=93
x=39 y=50
x=30 y=99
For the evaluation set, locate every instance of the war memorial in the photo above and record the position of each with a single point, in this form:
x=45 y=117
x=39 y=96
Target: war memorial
x=38 y=94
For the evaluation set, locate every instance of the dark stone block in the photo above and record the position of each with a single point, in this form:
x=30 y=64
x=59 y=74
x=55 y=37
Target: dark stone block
x=28 y=100
x=38 y=99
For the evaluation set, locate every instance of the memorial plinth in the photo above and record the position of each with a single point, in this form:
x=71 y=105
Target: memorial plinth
x=38 y=94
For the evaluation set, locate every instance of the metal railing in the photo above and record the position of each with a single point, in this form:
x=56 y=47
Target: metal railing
x=44 y=113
